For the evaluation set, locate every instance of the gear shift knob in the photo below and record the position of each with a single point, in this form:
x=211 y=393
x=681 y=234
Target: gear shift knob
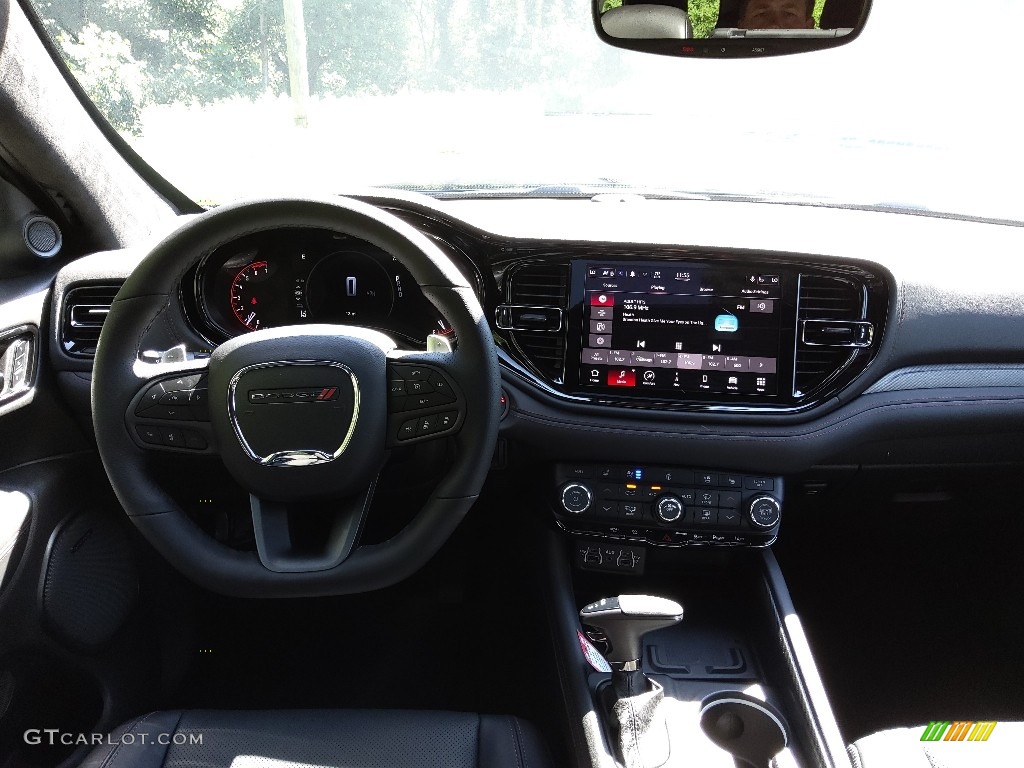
x=625 y=620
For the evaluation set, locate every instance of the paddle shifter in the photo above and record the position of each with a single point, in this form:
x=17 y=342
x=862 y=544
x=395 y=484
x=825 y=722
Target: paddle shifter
x=640 y=729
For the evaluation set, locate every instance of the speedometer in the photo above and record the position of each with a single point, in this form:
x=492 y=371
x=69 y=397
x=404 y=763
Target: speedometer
x=246 y=297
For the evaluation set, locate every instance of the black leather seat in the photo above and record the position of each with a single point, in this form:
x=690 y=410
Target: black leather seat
x=321 y=738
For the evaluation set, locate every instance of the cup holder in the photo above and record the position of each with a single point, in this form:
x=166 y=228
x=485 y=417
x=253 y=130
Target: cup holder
x=749 y=729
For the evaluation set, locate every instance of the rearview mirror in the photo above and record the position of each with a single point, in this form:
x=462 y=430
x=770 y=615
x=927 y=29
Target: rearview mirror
x=728 y=28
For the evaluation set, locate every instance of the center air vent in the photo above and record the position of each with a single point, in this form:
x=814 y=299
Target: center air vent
x=825 y=299
x=538 y=296
x=85 y=309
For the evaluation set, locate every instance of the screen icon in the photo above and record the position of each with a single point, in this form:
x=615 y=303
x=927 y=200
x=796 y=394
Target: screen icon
x=727 y=324
x=649 y=376
x=621 y=377
x=734 y=381
x=601 y=300
x=764 y=306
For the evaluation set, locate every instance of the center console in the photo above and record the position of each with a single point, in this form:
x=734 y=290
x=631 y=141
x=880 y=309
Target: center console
x=701 y=538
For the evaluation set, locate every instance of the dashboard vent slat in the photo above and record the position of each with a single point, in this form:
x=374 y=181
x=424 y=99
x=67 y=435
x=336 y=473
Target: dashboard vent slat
x=824 y=298
x=541 y=285
x=84 y=312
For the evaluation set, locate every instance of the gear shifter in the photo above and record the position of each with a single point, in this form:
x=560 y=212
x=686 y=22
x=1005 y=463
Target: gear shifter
x=625 y=620
x=640 y=729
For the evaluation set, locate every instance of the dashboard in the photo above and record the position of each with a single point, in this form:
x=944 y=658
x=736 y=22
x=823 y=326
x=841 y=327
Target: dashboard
x=645 y=326
x=881 y=346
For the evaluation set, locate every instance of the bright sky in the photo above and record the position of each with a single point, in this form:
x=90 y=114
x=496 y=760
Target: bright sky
x=902 y=116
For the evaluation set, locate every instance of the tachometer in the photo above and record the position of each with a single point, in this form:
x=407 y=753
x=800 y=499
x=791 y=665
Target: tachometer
x=246 y=297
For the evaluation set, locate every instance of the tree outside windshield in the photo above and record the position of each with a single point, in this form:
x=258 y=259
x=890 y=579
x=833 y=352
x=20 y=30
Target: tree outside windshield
x=482 y=93
x=131 y=54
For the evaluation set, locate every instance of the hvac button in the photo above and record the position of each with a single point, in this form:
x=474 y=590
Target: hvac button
x=705 y=516
x=729 y=518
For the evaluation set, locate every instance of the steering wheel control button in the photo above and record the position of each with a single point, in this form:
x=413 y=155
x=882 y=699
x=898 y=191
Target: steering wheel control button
x=681 y=506
x=576 y=498
x=415 y=388
x=199 y=404
x=148 y=434
x=174 y=397
x=195 y=440
x=418 y=387
x=426 y=425
x=765 y=511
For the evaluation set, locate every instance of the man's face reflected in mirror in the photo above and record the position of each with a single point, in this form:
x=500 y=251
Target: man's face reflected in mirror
x=777 y=14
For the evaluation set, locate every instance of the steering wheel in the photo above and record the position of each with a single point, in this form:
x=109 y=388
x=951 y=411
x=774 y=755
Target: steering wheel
x=295 y=413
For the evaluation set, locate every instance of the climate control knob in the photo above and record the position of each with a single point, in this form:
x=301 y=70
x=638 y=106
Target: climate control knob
x=765 y=511
x=576 y=498
x=669 y=509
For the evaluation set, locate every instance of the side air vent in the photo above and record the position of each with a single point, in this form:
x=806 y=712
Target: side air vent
x=831 y=330
x=538 y=297
x=85 y=309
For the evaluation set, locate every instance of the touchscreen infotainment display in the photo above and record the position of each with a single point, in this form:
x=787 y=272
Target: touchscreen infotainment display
x=675 y=327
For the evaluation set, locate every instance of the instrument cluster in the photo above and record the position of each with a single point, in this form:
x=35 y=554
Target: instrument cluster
x=297 y=276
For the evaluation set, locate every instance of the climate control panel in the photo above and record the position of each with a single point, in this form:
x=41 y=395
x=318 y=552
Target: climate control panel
x=668 y=506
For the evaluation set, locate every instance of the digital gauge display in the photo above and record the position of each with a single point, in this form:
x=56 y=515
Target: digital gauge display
x=291 y=277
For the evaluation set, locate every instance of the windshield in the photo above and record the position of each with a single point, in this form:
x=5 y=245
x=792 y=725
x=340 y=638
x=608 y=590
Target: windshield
x=236 y=98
